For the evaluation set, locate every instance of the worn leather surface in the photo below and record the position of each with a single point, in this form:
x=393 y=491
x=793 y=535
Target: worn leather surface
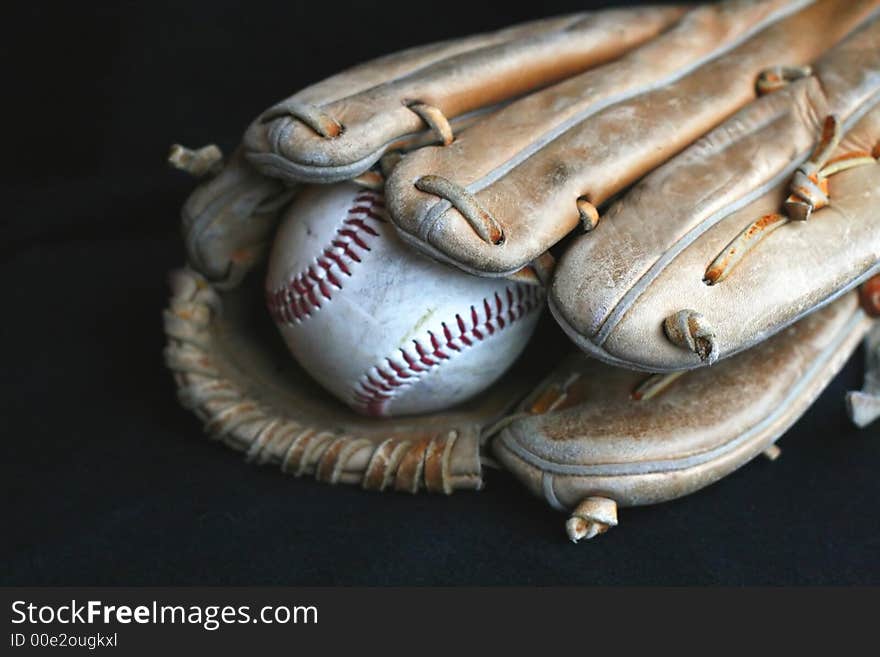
x=647 y=258
x=229 y=220
x=370 y=102
x=527 y=168
x=602 y=442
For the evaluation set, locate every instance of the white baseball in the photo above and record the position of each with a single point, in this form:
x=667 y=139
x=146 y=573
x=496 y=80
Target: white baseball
x=385 y=329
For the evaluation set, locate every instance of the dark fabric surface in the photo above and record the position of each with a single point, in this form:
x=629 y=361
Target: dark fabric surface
x=108 y=481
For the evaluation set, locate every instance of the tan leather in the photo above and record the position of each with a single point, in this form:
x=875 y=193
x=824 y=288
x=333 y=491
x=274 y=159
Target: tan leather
x=228 y=221
x=233 y=372
x=600 y=442
x=595 y=134
x=647 y=258
x=371 y=102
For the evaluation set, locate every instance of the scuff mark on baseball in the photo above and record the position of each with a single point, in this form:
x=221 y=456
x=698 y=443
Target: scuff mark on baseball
x=385 y=329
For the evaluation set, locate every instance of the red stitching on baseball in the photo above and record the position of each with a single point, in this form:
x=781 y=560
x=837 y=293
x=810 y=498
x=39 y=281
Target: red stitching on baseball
x=381 y=383
x=305 y=292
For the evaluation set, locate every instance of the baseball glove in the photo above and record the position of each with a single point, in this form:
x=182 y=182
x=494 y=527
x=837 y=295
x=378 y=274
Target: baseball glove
x=702 y=137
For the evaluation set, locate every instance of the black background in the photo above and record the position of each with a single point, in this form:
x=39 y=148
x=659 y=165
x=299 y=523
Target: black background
x=108 y=481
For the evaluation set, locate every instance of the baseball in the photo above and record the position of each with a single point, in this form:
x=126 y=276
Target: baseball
x=385 y=329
